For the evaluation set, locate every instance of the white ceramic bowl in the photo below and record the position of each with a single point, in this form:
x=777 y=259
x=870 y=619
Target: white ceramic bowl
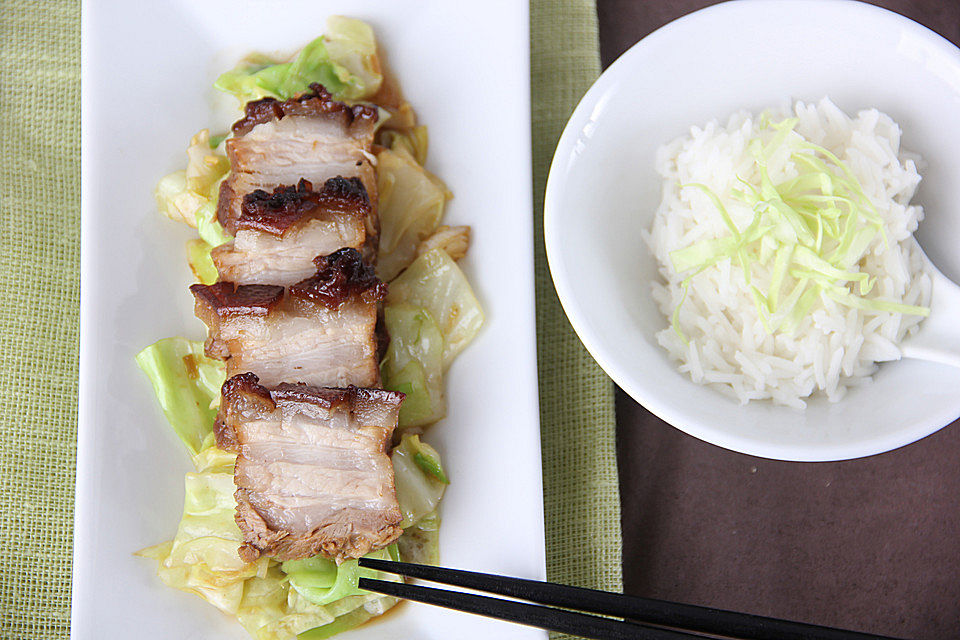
x=603 y=190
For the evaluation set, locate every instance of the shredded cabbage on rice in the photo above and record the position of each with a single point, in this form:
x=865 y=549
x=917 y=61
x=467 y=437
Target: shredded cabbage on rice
x=785 y=247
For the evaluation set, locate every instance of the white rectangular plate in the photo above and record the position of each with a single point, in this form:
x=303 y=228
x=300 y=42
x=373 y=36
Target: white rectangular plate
x=147 y=75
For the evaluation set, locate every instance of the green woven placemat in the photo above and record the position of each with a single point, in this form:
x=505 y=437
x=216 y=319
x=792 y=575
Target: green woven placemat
x=39 y=320
x=39 y=317
x=580 y=487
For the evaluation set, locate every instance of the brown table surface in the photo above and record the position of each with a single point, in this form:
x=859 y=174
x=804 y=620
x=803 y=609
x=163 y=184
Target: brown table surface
x=870 y=544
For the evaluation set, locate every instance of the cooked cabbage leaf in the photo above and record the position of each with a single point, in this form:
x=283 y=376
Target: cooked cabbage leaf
x=202 y=559
x=414 y=141
x=190 y=195
x=454 y=240
x=351 y=44
x=187 y=384
x=175 y=200
x=435 y=282
x=209 y=227
x=420 y=543
x=198 y=255
x=427 y=458
x=322 y=581
x=419 y=486
x=344 y=61
x=411 y=206
x=413 y=363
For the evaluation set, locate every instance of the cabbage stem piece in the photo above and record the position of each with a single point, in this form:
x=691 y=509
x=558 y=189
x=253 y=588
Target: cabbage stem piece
x=413 y=364
x=322 y=581
x=418 y=490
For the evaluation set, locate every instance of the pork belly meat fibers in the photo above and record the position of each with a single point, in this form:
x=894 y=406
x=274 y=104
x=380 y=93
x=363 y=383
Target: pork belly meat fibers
x=278 y=234
x=322 y=332
x=310 y=136
x=312 y=474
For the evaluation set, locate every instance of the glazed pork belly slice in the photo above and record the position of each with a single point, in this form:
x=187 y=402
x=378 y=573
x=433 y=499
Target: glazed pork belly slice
x=310 y=136
x=312 y=474
x=279 y=234
x=322 y=332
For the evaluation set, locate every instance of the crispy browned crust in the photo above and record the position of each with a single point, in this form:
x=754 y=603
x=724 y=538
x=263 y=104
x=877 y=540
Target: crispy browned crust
x=224 y=435
x=225 y=204
x=225 y=299
x=316 y=102
x=243 y=393
x=215 y=302
x=239 y=395
x=341 y=276
x=275 y=213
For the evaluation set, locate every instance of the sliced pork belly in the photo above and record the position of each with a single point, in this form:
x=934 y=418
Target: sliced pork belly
x=312 y=474
x=279 y=234
x=322 y=332
x=310 y=136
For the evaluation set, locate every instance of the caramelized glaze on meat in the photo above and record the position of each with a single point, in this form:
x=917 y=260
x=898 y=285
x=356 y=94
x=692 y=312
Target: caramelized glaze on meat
x=276 y=212
x=278 y=234
x=341 y=276
x=323 y=332
x=311 y=137
x=226 y=299
x=317 y=101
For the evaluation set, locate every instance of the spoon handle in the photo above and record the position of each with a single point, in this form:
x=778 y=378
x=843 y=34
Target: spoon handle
x=938 y=338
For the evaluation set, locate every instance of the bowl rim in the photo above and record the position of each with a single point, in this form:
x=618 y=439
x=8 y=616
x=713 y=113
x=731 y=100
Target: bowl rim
x=579 y=318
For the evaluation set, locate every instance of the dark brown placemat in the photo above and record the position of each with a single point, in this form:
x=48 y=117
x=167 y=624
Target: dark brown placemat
x=871 y=544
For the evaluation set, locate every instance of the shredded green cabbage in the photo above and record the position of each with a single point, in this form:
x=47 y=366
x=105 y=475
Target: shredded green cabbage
x=809 y=232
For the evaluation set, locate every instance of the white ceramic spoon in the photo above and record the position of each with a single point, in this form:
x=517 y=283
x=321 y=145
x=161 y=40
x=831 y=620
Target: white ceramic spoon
x=938 y=337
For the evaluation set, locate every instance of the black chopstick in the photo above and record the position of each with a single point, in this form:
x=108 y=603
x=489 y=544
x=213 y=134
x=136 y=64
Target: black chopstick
x=534 y=615
x=642 y=610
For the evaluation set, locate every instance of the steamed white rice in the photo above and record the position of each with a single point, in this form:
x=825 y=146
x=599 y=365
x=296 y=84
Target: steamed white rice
x=834 y=347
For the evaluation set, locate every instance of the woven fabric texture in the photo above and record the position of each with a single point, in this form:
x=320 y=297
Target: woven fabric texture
x=39 y=319
x=580 y=486
x=39 y=276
